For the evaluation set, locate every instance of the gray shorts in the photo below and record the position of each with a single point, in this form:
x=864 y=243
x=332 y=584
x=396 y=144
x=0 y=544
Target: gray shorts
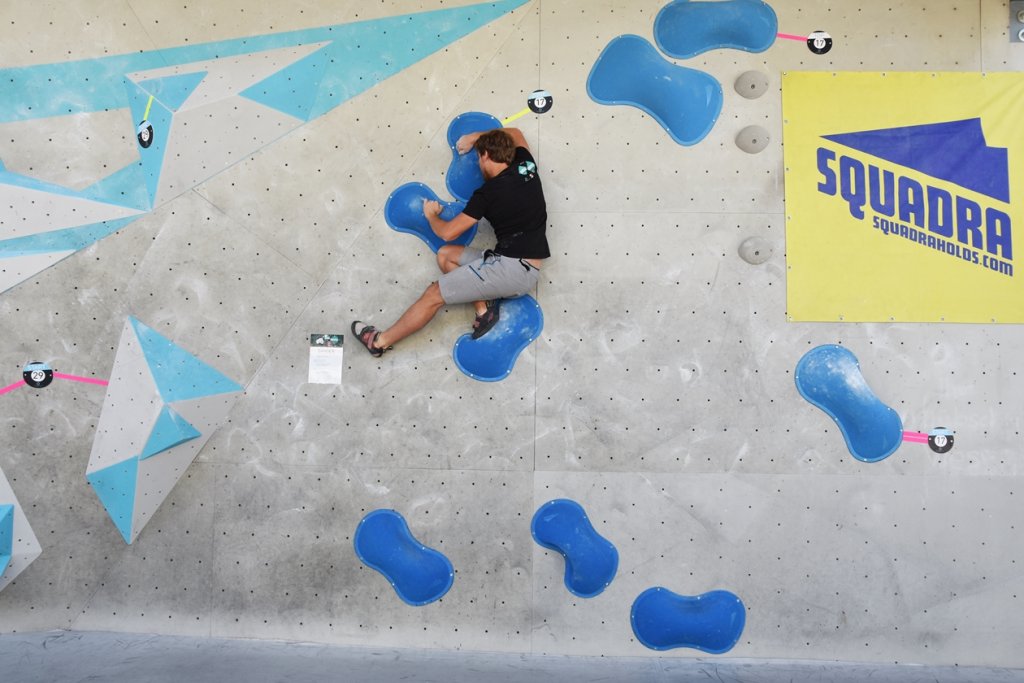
x=482 y=279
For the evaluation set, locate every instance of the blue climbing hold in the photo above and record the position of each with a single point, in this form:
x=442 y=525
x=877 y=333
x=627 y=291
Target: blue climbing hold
x=712 y=622
x=685 y=102
x=419 y=575
x=492 y=357
x=829 y=377
x=404 y=212
x=590 y=560
x=684 y=28
x=464 y=175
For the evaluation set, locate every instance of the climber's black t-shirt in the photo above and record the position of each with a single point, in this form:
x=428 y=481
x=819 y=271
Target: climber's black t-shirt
x=513 y=203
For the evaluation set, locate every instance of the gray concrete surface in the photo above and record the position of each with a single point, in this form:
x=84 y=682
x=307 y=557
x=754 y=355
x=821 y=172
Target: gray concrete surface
x=660 y=394
x=59 y=657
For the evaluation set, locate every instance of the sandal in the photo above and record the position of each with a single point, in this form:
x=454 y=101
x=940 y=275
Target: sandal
x=486 y=320
x=367 y=336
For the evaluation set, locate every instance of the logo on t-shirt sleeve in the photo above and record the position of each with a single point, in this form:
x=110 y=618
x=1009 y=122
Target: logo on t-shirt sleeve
x=527 y=169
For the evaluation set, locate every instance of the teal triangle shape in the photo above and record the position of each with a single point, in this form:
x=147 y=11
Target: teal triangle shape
x=161 y=119
x=125 y=187
x=18 y=180
x=61 y=240
x=169 y=431
x=293 y=89
x=86 y=85
x=172 y=91
x=6 y=536
x=115 y=487
x=365 y=53
x=121 y=188
x=178 y=374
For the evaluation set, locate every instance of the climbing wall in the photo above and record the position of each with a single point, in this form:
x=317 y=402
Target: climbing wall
x=660 y=394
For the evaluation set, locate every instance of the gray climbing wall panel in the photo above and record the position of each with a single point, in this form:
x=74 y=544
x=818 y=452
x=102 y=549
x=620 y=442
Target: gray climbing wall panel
x=660 y=394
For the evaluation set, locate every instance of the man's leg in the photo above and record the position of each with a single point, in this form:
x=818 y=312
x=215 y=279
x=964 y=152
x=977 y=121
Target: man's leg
x=448 y=259
x=414 y=318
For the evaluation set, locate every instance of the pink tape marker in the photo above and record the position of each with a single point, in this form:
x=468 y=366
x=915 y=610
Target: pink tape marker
x=76 y=378
x=819 y=42
x=12 y=387
x=939 y=439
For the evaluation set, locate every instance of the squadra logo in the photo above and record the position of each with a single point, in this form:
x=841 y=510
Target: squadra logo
x=897 y=192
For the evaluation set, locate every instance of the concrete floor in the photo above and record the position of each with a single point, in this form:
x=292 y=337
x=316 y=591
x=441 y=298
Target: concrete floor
x=99 y=656
x=660 y=394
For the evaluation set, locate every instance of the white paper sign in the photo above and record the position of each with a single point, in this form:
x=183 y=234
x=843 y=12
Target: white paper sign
x=325 y=358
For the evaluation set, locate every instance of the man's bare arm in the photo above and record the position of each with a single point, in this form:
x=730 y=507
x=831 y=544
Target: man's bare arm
x=446 y=230
x=517 y=137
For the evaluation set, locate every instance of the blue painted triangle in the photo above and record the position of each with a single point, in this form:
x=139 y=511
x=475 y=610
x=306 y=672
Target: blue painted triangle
x=172 y=91
x=123 y=188
x=126 y=187
x=170 y=430
x=6 y=536
x=60 y=240
x=18 y=180
x=161 y=119
x=955 y=151
x=178 y=374
x=365 y=53
x=115 y=487
x=293 y=89
x=60 y=88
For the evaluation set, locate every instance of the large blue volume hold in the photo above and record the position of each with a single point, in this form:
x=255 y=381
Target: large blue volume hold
x=464 y=174
x=419 y=575
x=684 y=28
x=590 y=560
x=492 y=357
x=829 y=377
x=712 y=622
x=685 y=102
x=403 y=211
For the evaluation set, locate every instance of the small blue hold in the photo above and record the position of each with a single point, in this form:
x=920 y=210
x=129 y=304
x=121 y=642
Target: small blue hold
x=464 y=175
x=403 y=211
x=712 y=622
x=590 y=560
x=419 y=575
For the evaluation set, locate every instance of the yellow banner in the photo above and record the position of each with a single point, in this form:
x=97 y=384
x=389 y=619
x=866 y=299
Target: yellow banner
x=904 y=196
